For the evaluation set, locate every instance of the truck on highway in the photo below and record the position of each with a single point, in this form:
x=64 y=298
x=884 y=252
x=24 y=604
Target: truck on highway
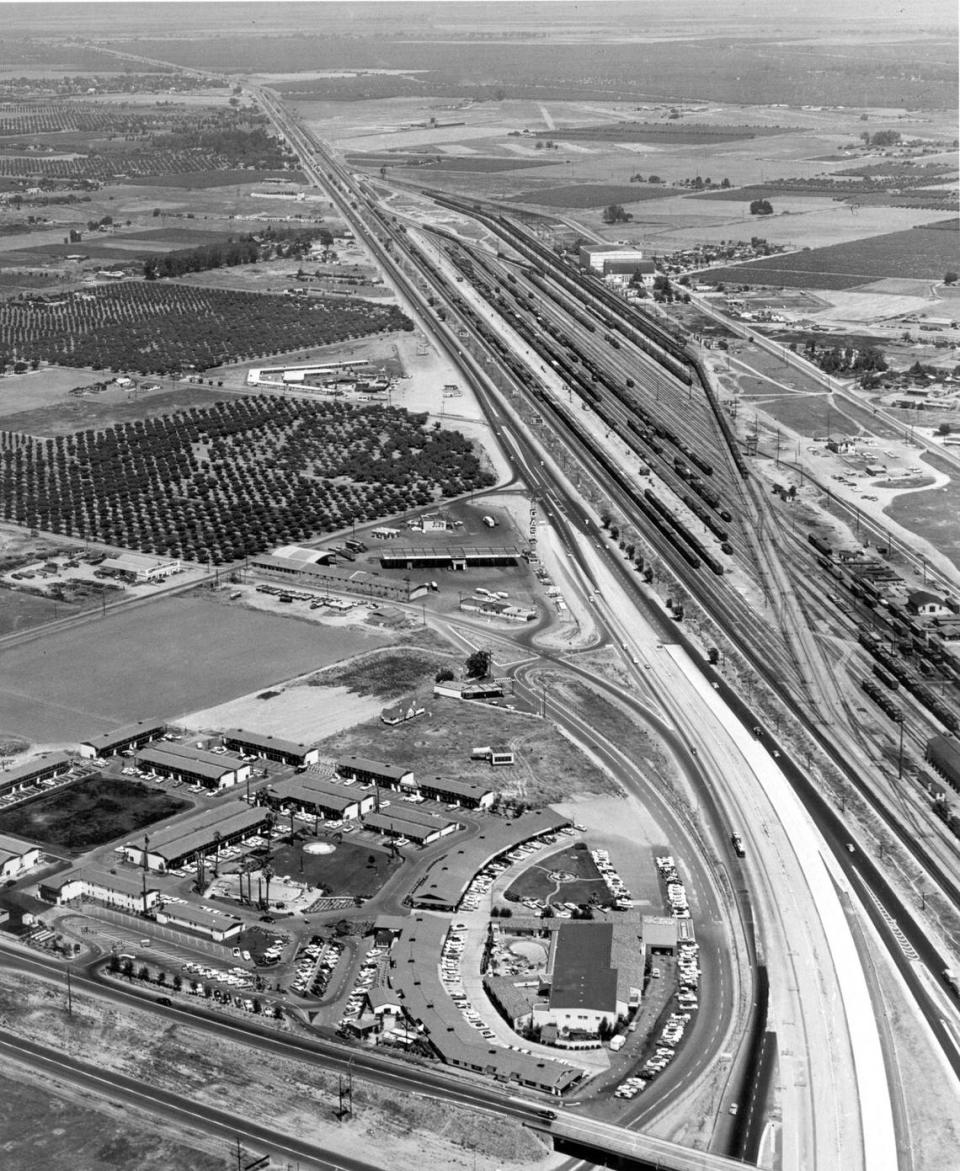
x=737 y=843
x=950 y=976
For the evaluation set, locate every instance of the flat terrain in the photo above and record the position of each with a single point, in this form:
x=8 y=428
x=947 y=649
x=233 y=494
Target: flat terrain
x=349 y=870
x=87 y=814
x=570 y=877
x=169 y=658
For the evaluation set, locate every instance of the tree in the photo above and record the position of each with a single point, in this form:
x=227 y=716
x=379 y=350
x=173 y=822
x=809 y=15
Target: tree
x=950 y=277
x=761 y=207
x=613 y=213
x=478 y=664
x=143 y=973
x=443 y=675
x=944 y=429
x=177 y=982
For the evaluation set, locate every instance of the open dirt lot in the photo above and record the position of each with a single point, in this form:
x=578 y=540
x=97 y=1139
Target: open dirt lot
x=168 y=658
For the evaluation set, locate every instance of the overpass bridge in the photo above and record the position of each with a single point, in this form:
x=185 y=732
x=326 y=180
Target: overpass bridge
x=627 y=1148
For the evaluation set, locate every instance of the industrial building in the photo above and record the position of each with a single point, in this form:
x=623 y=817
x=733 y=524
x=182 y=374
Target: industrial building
x=322 y=798
x=171 y=846
x=311 y=575
x=270 y=747
x=596 y=257
x=53 y=764
x=16 y=856
x=447 y=557
x=128 y=891
x=374 y=772
x=585 y=988
x=120 y=739
x=469 y=688
x=466 y=793
x=139 y=567
x=210 y=769
x=943 y=753
x=412 y=824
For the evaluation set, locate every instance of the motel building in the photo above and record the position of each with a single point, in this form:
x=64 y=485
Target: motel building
x=194 y=765
x=122 y=892
x=131 y=736
x=324 y=799
x=199 y=921
x=374 y=772
x=584 y=986
x=16 y=856
x=270 y=747
x=53 y=764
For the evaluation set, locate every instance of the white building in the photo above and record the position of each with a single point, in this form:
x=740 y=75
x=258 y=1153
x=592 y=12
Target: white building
x=16 y=856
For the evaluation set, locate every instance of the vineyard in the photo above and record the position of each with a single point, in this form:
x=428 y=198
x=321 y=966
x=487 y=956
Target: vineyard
x=136 y=165
x=221 y=482
x=163 y=329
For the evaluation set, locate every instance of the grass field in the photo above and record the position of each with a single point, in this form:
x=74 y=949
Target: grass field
x=389 y=674
x=591 y=194
x=167 y=658
x=20 y=611
x=920 y=253
x=89 y=813
x=586 y=882
x=349 y=870
x=213 y=178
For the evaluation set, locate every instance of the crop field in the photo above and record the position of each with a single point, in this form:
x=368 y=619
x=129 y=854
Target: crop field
x=917 y=252
x=217 y=484
x=590 y=195
x=349 y=870
x=172 y=657
x=156 y=327
x=474 y=164
x=581 y=883
x=225 y=177
x=81 y=816
x=683 y=134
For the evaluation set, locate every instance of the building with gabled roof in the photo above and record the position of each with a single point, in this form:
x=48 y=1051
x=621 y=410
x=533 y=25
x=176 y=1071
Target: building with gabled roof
x=51 y=764
x=120 y=739
x=374 y=772
x=270 y=747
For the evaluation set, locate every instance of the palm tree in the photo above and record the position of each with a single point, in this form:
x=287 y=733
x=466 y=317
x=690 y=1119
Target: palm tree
x=216 y=856
x=268 y=875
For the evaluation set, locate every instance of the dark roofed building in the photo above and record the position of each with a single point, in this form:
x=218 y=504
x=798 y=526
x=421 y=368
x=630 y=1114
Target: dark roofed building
x=583 y=983
x=120 y=739
x=374 y=772
x=943 y=752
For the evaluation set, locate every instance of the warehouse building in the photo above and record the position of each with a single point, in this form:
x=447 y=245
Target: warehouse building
x=584 y=986
x=466 y=793
x=138 y=567
x=212 y=770
x=170 y=847
x=459 y=558
x=16 y=856
x=943 y=753
x=120 y=739
x=270 y=747
x=596 y=257
x=323 y=798
x=199 y=921
x=124 y=892
x=311 y=575
x=53 y=764
x=374 y=772
x=412 y=824
x=469 y=688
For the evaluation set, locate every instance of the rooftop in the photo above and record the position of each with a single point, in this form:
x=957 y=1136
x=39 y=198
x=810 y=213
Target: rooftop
x=364 y=764
x=582 y=976
x=262 y=741
x=127 y=732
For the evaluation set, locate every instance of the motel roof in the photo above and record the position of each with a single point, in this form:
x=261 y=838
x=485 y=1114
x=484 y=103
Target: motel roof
x=190 y=752
x=24 y=772
x=261 y=741
x=16 y=847
x=395 y=772
x=457 y=788
x=400 y=825
x=195 y=833
x=295 y=790
x=127 y=732
x=188 y=764
x=125 y=883
x=198 y=916
x=413 y=816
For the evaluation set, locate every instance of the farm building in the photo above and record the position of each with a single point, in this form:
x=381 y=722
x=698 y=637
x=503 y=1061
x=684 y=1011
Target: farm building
x=595 y=257
x=495 y=754
x=120 y=739
x=422 y=828
x=270 y=747
x=445 y=557
x=399 y=713
x=374 y=772
x=53 y=764
x=465 y=793
x=943 y=753
x=124 y=892
x=200 y=921
x=139 y=567
x=585 y=989
x=210 y=769
x=16 y=856
x=169 y=847
x=927 y=605
x=321 y=798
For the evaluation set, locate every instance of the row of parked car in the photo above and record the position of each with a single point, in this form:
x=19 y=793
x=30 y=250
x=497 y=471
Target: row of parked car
x=484 y=878
x=615 y=884
x=315 y=966
x=370 y=971
x=676 y=893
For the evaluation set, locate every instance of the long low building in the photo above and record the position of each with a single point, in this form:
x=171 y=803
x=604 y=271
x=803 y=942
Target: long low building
x=126 y=891
x=16 y=856
x=53 y=764
x=458 y=557
x=943 y=753
x=141 y=567
x=209 y=769
x=374 y=772
x=270 y=747
x=330 y=577
x=120 y=739
x=199 y=921
x=444 y=884
x=323 y=798
x=466 y=793
x=422 y=828
x=169 y=847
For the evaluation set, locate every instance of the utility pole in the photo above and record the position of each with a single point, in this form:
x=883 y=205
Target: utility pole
x=900 y=754
x=69 y=995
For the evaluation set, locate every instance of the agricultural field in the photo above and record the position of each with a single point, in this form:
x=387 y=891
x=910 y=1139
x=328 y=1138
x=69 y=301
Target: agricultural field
x=349 y=870
x=471 y=164
x=585 y=195
x=87 y=814
x=220 y=483
x=918 y=252
x=175 y=656
x=158 y=328
x=672 y=133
